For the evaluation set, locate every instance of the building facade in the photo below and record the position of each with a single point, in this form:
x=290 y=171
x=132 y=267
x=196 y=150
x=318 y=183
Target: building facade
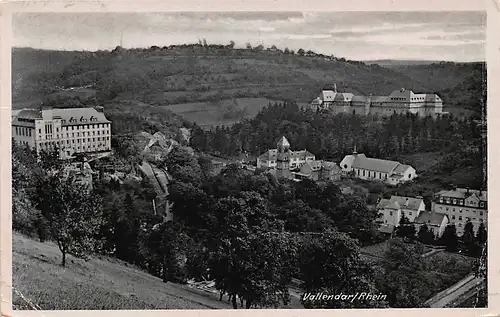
x=401 y=98
x=435 y=222
x=391 y=210
x=462 y=205
x=70 y=130
x=389 y=172
x=296 y=158
x=319 y=171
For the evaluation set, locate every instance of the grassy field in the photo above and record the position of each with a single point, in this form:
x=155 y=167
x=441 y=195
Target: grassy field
x=224 y=112
x=100 y=283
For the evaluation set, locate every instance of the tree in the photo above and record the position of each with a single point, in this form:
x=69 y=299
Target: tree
x=469 y=240
x=405 y=230
x=330 y=262
x=450 y=238
x=248 y=46
x=482 y=235
x=404 y=280
x=73 y=215
x=231 y=44
x=425 y=235
x=301 y=52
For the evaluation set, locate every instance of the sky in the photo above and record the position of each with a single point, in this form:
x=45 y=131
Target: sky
x=452 y=36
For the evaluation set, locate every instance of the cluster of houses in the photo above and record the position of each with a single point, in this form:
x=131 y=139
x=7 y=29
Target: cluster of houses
x=302 y=164
x=402 y=98
x=454 y=207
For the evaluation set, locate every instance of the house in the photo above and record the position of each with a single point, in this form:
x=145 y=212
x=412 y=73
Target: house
x=319 y=170
x=435 y=222
x=71 y=131
x=295 y=158
x=390 y=172
x=461 y=205
x=391 y=210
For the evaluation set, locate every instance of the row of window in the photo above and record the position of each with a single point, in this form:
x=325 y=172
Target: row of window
x=380 y=175
x=455 y=201
x=466 y=218
x=23 y=131
x=460 y=210
x=405 y=99
x=87 y=126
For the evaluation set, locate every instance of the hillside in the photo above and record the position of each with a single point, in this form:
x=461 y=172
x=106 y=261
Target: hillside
x=100 y=283
x=213 y=84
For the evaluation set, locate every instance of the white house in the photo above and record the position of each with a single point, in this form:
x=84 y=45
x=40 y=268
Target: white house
x=435 y=222
x=390 y=172
x=391 y=210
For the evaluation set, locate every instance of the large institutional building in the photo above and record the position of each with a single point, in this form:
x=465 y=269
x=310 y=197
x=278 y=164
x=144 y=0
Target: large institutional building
x=462 y=205
x=403 y=98
x=285 y=163
x=390 y=172
x=71 y=130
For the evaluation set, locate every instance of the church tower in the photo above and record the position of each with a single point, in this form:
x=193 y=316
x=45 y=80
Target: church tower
x=283 y=159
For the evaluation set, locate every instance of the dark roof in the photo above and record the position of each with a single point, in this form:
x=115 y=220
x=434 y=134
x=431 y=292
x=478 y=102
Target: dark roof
x=430 y=218
x=29 y=114
x=79 y=114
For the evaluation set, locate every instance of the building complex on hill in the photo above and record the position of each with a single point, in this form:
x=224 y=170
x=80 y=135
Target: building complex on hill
x=402 y=98
x=462 y=205
x=70 y=130
x=390 y=172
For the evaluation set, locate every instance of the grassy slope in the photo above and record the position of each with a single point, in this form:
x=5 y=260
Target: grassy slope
x=97 y=284
x=101 y=283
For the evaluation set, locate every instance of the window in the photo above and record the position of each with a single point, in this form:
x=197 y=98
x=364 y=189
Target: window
x=454 y=201
x=480 y=213
x=453 y=217
x=410 y=213
x=29 y=132
x=390 y=213
x=40 y=131
x=459 y=217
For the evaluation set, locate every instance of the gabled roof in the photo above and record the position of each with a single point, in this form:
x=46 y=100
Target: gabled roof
x=401 y=168
x=371 y=164
x=430 y=218
x=397 y=202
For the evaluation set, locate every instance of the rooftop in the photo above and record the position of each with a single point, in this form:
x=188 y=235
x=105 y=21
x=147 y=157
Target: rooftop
x=378 y=165
x=464 y=193
x=430 y=218
x=397 y=202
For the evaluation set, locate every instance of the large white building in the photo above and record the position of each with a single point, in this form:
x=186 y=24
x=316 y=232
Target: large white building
x=390 y=172
x=461 y=205
x=402 y=98
x=71 y=130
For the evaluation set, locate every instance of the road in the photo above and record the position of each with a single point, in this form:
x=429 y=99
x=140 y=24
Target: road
x=452 y=294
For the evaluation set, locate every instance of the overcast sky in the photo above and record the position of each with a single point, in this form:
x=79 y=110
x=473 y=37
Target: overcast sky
x=452 y=36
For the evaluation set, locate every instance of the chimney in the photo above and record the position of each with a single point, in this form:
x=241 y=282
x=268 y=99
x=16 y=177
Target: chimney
x=334 y=87
x=355 y=152
x=468 y=189
x=99 y=108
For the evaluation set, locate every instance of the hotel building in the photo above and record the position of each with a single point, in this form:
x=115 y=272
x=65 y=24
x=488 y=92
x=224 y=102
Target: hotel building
x=70 y=130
